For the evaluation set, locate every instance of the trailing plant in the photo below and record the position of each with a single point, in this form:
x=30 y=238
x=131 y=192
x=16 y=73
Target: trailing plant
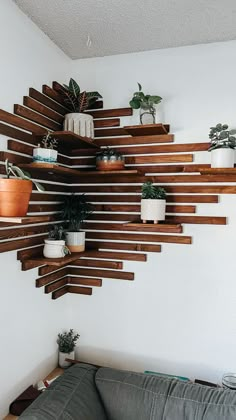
x=76 y=209
x=48 y=142
x=108 y=152
x=12 y=170
x=140 y=100
x=150 y=191
x=67 y=341
x=57 y=233
x=77 y=100
x=221 y=137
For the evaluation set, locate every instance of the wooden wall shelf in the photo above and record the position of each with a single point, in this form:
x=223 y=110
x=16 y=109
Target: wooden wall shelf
x=151 y=227
x=70 y=140
x=217 y=171
x=37 y=169
x=25 y=220
x=147 y=130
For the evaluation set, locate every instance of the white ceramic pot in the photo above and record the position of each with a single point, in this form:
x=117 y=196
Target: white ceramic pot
x=40 y=154
x=153 y=210
x=75 y=241
x=54 y=249
x=79 y=123
x=62 y=356
x=222 y=158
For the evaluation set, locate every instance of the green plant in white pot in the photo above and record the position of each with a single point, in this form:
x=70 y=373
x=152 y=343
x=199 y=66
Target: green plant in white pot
x=76 y=209
x=147 y=105
x=45 y=151
x=66 y=346
x=77 y=102
x=222 y=148
x=153 y=203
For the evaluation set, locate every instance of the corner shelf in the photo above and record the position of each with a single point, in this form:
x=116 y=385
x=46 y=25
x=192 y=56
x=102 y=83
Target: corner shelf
x=147 y=130
x=51 y=169
x=26 y=219
x=57 y=262
x=68 y=139
x=151 y=227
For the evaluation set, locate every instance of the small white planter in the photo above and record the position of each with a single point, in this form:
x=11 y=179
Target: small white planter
x=222 y=158
x=54 y=249
x=153 y=210
x=79 y=123
x=62 y=356
x=40 y=154
x=75 y=241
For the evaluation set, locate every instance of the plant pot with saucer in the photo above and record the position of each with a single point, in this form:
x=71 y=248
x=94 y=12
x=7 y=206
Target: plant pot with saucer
x=153 y=203
x=15 y=192
x=77 y=102
x=66 y=347
x=222 y=147
x=45 y=151
x=55 y=245
x=75 y=210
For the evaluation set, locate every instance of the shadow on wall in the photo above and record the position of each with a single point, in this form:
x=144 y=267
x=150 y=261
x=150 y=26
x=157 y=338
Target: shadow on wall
x=125 y=361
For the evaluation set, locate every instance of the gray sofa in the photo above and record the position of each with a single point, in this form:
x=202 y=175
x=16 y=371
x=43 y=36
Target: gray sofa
x=85 y=392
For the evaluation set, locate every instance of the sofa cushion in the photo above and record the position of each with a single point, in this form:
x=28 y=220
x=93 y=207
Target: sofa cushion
x=73 y=396
x=133 y=396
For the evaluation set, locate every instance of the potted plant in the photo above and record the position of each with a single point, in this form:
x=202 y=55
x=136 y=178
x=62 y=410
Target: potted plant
x=77 y=102
x=55 y=245
x=223 y=143
x=66 y=346
x=146 y=104
x=76 y=210
x=109 y=160
x=153 y=203
x=15 y=192
x=44 y=152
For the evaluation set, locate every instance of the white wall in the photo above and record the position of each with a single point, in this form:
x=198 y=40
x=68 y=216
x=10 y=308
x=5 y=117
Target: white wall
x=178 y=316
x=29 y=320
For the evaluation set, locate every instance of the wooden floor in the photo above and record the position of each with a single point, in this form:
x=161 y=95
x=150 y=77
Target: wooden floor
x=56 y=372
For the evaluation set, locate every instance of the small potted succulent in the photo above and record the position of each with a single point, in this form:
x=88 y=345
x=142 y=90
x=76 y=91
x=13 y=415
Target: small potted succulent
x=66 y=346
x=45 y=151
x=109 y=160
x=146 y=104
x=77 y=102
x=153 y=203
x=223 y=143
x=75 y=209
x=15 y=192
x=55 y=245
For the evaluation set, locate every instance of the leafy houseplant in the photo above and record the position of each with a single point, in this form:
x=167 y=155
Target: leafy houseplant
x=77 y=102
x=223 y=143
x=146 y=104
x=44 y=152
x=55 y=245
x=109 y=160
x=15 y=192
x=76 y=209
x=66 y=345
x=153 y=202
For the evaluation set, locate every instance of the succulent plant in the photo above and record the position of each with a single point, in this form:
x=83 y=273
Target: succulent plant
x=150 y=191
x=75 y=100
x=48 y=141
x=221 y=137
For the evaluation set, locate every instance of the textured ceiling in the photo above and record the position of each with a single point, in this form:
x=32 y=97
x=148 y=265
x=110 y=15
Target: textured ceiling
x=123 y=26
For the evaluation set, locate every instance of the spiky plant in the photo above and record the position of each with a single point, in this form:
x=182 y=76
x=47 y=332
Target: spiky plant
x=76 y=209
x=12 y=170
x=48 y=141
x=75 y=100
x=67 y=341
x=221 y=137
x=150 y=191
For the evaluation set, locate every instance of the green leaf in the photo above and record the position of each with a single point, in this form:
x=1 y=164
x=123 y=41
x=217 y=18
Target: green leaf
x=94 y=94
x=135 y=103
x=74 y=87
x=140 y=87
x=155 y=99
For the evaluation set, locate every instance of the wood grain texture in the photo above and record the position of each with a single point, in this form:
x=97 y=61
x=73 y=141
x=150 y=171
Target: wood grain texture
x=137 y=198
x=21 y=243
x=45 y=100
x=85 y=281
x=140 y=237
x=44 y=110
x=19 y=122
x=110 y=113
x=147 y=129
x=51 y=93
x=56 y=285
x=148 y=227
x=123 y=246
x=136 y=208
x=111 y=122
x=59 y=293
x=167 y=148
x=127 y=256
x=108 y=132
x=121 y=275
x=80 y=290
x=7 y=130
x=171 y=189
x=36 y=117
x=114 y=265
x=208 y=220
x=118 y=141
x=43 y=281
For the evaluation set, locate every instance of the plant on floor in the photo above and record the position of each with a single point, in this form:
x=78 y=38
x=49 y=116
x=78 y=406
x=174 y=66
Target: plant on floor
x=12 y=170
x=146 y=104
x=77 y=100
x=67 y=341
x=150 y=191
x=222 y=137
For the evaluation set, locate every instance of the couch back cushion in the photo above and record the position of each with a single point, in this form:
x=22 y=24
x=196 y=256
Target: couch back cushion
x=133 y=396
x=73 y=396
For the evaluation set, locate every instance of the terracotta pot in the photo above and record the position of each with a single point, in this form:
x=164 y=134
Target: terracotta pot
x=14 y=197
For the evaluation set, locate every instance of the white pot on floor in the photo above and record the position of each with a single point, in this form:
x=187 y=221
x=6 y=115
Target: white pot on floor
x=153 y=210
x=79 y=123
x=222 y=158
x=62 y=358
x=75 y=241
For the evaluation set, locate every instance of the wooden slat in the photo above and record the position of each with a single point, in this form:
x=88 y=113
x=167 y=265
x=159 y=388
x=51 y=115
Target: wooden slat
x=56 y=285
x=127 y=256
x=42 y=109
x=6 y=130
x=167 y=148
x=60 y=292
x=47 y=269
x=35 y=117
x=45 y=100
x=114 y=265
x=147 y=169
x=136 y=208
x=110 y=113
x=21 y=243
x=13 y=158
x=57 y=262
x=25 y=254
x=85 y=281
x=23 y=231
x=193 y=178
x=108 y=132
x=159 y=159
x=124 y=246
x=42 y=207
x=172 y=189
x=46 y=197
x=121 y=275
x=111 y=122
x=136 y=198
x=147 y=130
x=160 y=227
x=19 y=122
x=19 y=147
x=37 y=169
x=24 y=220
x=209 y=220
x=140 y=237
x=43 y=281
x=118 y=141
x=217 y=171
x=79 y=290
x=51 y=93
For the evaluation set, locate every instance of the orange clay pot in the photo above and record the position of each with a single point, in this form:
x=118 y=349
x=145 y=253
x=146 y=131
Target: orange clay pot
x=14 y=197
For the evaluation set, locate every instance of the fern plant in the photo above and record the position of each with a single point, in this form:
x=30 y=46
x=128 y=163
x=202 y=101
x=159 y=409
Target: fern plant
x=67 y=341
x=12 y=170
x=77 y=100
x=151 y=192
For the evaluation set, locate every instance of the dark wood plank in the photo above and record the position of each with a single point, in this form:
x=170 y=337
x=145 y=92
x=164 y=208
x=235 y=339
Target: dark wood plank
x=147 y=130
x=208 y=220
x=57 y=262
x=21 y=243
x=49 y=278
x=109 y=198
x=19 y=122
x=37 y=169
x=114 y=265
x=118 y=141
x=14 y=133
x=127 y=256
x=159 y=159
x=124 y=246
x=159 y=227
x=80 y=290
x=85 y=281
x=108 y=132
x=45 y=100
x=111 y=122
x=56 y=285
x=217 y=171
x=51 y=93
x=25 y=254
x=70 y=140
x=59 y=293
x=42 y=109
x=13 y=158
x=140 y=237
x=167 y=148
x=136 y=208
x=23 y=231
x=35 y=117
x=110 y=113
x=171 y=189
x=121 y=275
